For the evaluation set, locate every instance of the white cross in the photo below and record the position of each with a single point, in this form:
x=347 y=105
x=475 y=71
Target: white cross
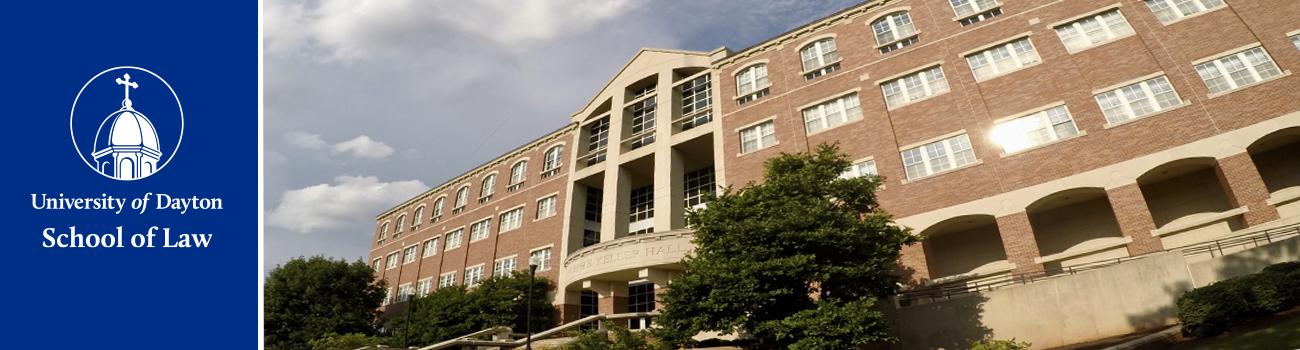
x=127 y=85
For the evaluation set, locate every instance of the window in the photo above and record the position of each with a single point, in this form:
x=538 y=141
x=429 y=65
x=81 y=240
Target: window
x=431 y=247
x=518 y=173
x=914 y=87
x=447 y=279
x=752 y=83
x=401 y=221
x=511 y=220
x=377 y=264
x=1238 y=70
x=589 y=304
x=546 y=207
x=894 y=31
x=541 y=258
x=388 y=296
x=404 y=292
x=640 y=298
x=418 y=219
x=696 y=100
x=1295 y=40
x=1138 y=100
x=480 y=230
x=860 y=169
x=831 y=113
x=473 y=275
x=485 y=192
x=424 y=286
x=462 y=196
x=973 y=11
x=409 y=254
x=591 y=213
x=392 y=260
x=437 y=209
x=643 y=122
x=1035 y=129
x=1168 y=11
x=1093 y=30
x=757 y=137
x=1003 y=59
x=453 y=239
x=819 y=58
x=597 y=138
x=699 y=187
x=383 y=233
x=641 y=210
x=938 y=156
x=552 y=161
x=503 y=267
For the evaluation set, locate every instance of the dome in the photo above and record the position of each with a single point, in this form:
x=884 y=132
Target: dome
x=128 y=128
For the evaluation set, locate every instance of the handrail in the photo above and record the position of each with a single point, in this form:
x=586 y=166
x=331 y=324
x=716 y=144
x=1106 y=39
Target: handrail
x=467 y=340
x=948 y=290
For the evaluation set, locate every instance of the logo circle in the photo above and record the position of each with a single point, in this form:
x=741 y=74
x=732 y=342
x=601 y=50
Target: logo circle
x=127 y=145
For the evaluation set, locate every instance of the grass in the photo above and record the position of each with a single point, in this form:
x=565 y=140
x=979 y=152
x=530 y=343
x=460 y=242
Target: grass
x=1284 y=335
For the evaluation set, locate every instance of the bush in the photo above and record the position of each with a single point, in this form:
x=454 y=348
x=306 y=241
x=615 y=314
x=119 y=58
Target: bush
x=613 y=338
x=1211 y=309
x=1283 y=268
x=995 y=344
x=350 y=341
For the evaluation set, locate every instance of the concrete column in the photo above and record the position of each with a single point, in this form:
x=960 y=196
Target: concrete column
x=576 y=222
x=914 y=269
x=613 y=295
x=1134 y=218
x=614 y=209
x=1245 y=188
x=1019 y=243
x=669 y=197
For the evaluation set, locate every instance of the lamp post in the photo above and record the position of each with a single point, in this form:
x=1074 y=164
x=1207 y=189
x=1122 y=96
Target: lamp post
x=528 y=319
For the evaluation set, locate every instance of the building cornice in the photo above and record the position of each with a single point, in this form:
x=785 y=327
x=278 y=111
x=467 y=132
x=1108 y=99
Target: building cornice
x=795 y=34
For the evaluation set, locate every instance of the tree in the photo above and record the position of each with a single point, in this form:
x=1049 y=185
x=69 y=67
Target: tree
x=797 y=261
x=307 y=298
x=614 y=337
x=454 y=311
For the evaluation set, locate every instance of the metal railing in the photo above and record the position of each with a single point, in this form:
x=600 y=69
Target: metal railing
x=1215 y=248
x=503 y=338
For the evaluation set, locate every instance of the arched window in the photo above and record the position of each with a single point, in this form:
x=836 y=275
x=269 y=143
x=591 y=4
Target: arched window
x=552 y=161
x=401 y=219
x=894 y=31
x=819 y=54
x=383 y=232
x=462 y=196
x=518 y=173
x=437 y=209
x=485 y=192
x=751 y=80
x=419 y=217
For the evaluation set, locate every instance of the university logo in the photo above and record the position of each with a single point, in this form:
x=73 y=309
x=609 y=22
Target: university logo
x=136 y=121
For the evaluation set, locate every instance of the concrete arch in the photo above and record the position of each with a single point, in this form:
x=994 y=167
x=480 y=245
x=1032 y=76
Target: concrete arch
x=963 y=247
x=1275 y=158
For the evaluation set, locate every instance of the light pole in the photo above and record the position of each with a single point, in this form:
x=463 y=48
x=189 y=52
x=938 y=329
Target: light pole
x=528 y=319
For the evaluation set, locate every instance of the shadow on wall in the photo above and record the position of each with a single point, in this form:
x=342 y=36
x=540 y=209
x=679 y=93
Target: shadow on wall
x=963 y=324
x=1162 y=315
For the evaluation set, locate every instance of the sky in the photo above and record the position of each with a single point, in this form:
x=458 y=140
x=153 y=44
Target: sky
x=370 y=102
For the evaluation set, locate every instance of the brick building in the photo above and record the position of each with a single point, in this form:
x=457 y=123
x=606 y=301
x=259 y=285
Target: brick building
x=1016 y=136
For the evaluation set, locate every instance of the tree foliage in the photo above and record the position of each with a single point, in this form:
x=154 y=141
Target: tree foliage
x=454 y=311
x=350 y=341
x=307 y=298
x=614 y=337
x=796 y=261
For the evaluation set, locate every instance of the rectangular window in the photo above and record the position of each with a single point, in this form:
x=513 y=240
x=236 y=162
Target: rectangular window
x=473 y=275
x=640 y=298
x=1168 y=11
x=597 y=138
x=974 y=11
x=404 y=292
x=454 y=238
x=699 y=187
x=388 y=296
x=913 y=87
x=447 y=279
x=480 y=230
x=757 y=137
x=392 y=260
x=1003 y=59
x=832 y=113
x=503 y=267
x=431 y=247
x=643 y=122
x=409 y=254
x=511 y=220
x=541 y=258
x=938 y=156
x=424 y=287
x=1093 y=30
x=1138 y=100
x=641 y=211
x=1035 y=129
x=591 y=213
x=696 y=100
x=546 y=207
x=377 y=264
x=860 y=169
x=1238 y=70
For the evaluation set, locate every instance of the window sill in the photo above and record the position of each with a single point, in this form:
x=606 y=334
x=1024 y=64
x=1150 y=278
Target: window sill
x=774 y=144
x=1081 y=133
x=1145 y=117
x=753 y=96
x=1194 y=15
x=945 y=172
x=923 y=99
x=1285 y=73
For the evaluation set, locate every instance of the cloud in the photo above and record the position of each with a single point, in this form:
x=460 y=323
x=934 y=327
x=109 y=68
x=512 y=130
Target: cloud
x=362 y=146
x=331 y=206
x=305 y=140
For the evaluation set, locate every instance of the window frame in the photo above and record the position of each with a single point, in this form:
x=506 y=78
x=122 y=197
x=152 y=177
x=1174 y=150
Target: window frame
x=1044 y=117
x=821 y=55
x=1143 y=83
x=923 y=77
x=897 y=41
x=543 y=265
x=497 y=266
x=477 y=273
x=1244 y=59
x=448 y=243
x=554 y=200
x=760 y=133
x=429 y=249
x=949 y=155
x=1177 y=11
x=447 y=279
x=987 y=53
x=855 y=169
x=823 y=109
x=410 y=254
x=1076 y=24
x=518 y=220
x=480 y=230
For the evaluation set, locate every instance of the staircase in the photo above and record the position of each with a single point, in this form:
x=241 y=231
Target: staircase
x=503 y=338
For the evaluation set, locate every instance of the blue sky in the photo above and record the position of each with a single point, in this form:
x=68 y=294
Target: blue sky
x=369 y=102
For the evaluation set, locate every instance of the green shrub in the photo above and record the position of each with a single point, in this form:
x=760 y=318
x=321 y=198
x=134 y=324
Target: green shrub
x=1209 y=310
x=996 y=344
x=350 y=341
x=614 y=337
x=1270 y=292
x=1283 y=268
